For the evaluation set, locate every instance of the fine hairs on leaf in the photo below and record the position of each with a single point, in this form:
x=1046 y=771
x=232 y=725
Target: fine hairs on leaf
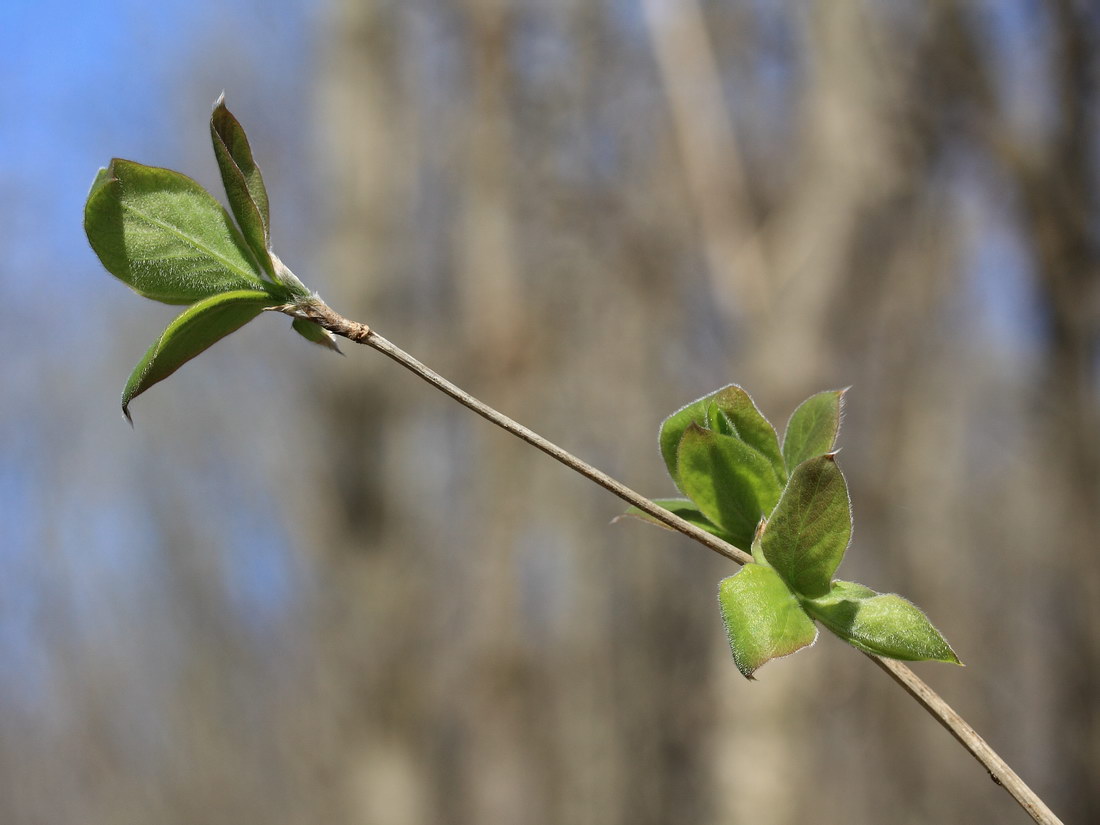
x=742 y=488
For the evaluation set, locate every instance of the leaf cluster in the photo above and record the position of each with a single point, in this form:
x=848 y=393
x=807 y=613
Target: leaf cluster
x=788 y=503
x=168 y=239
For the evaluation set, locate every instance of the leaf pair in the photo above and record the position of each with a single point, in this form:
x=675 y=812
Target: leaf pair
x=790 y=504
x=725 y=456
x=168 y=239
x=769 y=607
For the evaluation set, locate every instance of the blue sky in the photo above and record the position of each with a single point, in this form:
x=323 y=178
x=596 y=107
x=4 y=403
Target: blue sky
x=82 y=82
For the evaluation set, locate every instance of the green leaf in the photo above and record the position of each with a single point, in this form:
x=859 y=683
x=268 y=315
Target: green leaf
x=751 y=426
x=719 y=421
x=885 y=625
x=315 y=333
x=748 y=424
x=763 y=619
x=730 y=483
x=164 y=235
x=807 y=534
x=244 y=186
x=685 y=509
x=840 y=591
x=197 y=328
x=813 y=427
x=673 y=428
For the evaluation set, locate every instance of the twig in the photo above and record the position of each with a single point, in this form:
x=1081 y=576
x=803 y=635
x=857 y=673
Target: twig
x=319 y=312
x=999 y=771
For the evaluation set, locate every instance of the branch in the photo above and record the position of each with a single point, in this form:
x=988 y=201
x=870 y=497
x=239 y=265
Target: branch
x=314 y=309
x=999 y=770
x=317 y=311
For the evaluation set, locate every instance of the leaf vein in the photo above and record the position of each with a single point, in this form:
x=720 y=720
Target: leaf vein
x=194 y=242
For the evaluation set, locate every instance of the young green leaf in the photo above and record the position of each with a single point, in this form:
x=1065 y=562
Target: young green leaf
x=164 y=235
x=673 y=427
x=244 y=186
x=749 y=425
x=315 y=333
x=197 y=328
x=732 y=484
x=685 y=509
x=763 y=618
x=807 y=534
x=718 y=421
x=813 y=427
x=842 y=591
x=885 y=625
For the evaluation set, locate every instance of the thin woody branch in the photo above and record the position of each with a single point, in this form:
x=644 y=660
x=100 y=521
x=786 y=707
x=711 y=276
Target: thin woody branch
x=314 y=309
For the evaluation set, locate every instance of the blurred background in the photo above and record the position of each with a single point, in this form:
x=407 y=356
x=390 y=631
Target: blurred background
x=310 y=589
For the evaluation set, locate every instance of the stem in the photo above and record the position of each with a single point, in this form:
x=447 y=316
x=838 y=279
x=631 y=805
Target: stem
x=362 y=334
x=999 y=770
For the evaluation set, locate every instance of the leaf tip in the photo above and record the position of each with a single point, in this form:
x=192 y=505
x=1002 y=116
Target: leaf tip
x=697 y=430
x=951 y=657
x=103 y=175
x=112 y=167
x=126 y=414
x=315 y=334
x=220 y=102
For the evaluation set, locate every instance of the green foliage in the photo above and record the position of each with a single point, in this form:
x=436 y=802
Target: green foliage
x=813 y=427
x=244 y=186
x=168 y=239
x=806 y=535
x=739 y=417
x=791 y=506
x=883 y=624
x=732 y=484
x=197 y=328
x=763 y=618
x=683 y=507
x=164 y=235
x=314 y=332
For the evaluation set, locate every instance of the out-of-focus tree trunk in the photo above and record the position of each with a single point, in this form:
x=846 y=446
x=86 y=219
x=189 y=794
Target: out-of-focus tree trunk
x=537 y=672
x=1056 y=182
x=531 y=200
